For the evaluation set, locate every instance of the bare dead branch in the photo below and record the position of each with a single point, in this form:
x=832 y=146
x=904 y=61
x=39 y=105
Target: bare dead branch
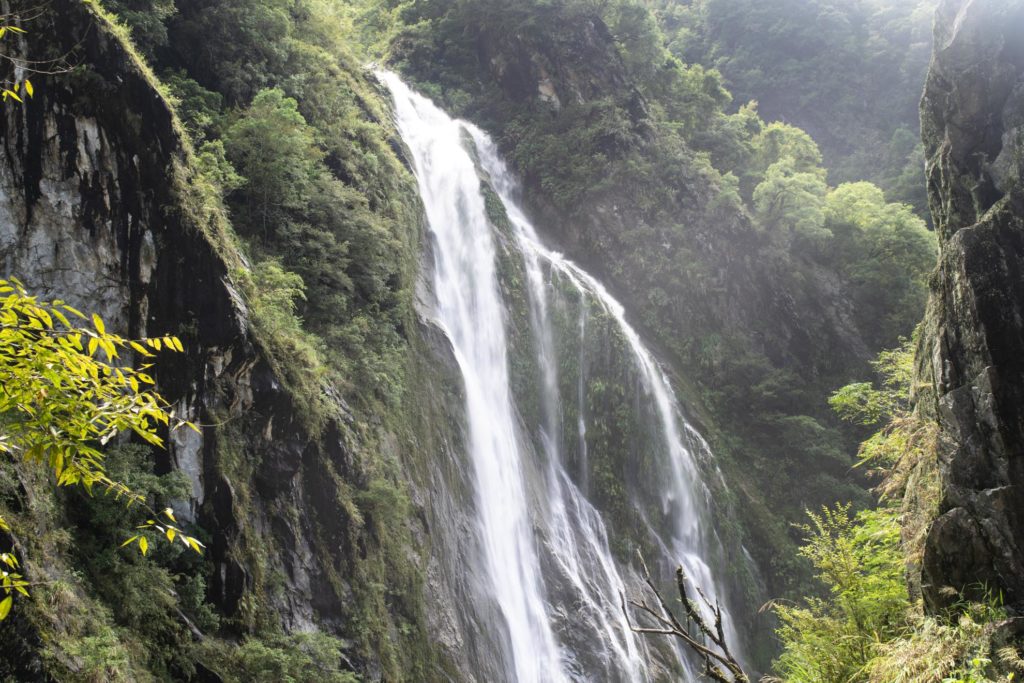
x=719 y=663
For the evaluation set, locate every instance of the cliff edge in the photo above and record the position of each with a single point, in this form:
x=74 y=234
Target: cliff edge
x=972 y=118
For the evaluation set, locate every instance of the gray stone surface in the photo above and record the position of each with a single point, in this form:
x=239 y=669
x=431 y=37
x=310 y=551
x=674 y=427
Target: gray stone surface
x=973 y=355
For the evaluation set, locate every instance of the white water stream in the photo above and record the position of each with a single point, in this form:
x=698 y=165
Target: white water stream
x=545 y=547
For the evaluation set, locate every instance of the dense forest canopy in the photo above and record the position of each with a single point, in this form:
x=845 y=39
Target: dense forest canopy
x=849 y=73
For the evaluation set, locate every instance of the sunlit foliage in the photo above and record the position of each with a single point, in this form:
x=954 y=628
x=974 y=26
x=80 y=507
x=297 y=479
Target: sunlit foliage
x=847 y=71
x=66 y=393
x=14 y=83
x=858 y=559
x=867 y=626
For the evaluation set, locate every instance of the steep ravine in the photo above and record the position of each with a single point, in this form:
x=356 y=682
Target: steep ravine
x=300 y=497
x=972 y=361
x=754 y=343
x=361 y=522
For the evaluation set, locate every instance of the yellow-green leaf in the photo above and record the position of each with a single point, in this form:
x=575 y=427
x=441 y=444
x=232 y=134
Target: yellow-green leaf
x=143 y=545
x=98 y=323
x=143 y=351
x=28 y=88
x=5 y=607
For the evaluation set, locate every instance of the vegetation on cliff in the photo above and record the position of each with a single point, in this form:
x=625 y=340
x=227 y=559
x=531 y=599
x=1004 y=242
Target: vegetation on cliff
x=870 y=623
x=328 y=310
x=763 y=285
x=849 y=73
x=766 y=269
x=62 y=402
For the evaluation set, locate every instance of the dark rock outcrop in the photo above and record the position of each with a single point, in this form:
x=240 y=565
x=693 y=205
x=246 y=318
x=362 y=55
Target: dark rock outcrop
x=97 y=207
x=973 y=353
x=100 y=205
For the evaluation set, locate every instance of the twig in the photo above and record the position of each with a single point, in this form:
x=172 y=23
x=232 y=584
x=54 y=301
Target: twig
x=719 y=663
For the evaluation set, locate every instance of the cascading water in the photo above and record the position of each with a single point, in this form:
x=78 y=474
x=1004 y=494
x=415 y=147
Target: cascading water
x=470 y=311
x=544 y=545
x=682 y=500
x=581 y=398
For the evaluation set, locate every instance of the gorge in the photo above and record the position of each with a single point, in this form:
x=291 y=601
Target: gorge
x=514 y=486
x=470 y=334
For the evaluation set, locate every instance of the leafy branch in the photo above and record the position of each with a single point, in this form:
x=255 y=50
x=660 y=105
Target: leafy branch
x=64 y=395
x=16 y=83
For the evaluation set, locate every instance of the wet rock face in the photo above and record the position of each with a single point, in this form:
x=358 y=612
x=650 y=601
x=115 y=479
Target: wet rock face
x=972 y=114
x=95 y=209
x=973 y=129
x=581 y=66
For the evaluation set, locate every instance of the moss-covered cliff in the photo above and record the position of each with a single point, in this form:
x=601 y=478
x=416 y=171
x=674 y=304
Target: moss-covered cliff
x=314 y=566
x=250 y=195
x=632 y=166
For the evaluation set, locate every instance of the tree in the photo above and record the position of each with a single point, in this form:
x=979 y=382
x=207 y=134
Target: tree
x=778 y=141
x=860 y=562
x=273 y=147
x=65 y=394
x=789 y=204
x=885 y=253
x=147 y=20
x=706 y=639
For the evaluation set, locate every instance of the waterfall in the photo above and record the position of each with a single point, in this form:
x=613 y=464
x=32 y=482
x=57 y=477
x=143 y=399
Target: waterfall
x=682 y=500
x=545 y=547
x=581 y=395
x=470 y=311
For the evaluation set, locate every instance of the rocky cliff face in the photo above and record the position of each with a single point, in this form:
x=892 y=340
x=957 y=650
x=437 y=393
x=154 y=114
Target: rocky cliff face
x=973 y=357
x=696 y=276
x=100 y=206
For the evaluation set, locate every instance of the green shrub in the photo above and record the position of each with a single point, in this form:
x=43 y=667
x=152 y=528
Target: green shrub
x=297 y=658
